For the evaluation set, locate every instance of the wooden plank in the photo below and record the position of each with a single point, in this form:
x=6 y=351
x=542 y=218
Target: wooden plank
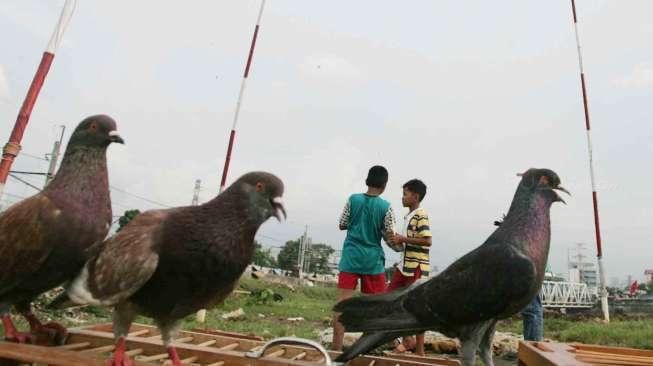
x=74 y=346
x=219 y=363
x=204 y=354
x=211 y=343
x=208 y=343
x=433 y=360
x=604 y=361
x=530 y=355
x=615 y=350
x=251 y=337
x=49 y=355
x=138 y=333
x=615 y=356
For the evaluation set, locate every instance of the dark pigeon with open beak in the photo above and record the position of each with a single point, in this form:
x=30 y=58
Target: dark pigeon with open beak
x=492 y=282
x=45 y=239
x=168 y=264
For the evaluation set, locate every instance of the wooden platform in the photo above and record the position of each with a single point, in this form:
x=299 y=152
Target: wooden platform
x=562 y=354
x=93 y=345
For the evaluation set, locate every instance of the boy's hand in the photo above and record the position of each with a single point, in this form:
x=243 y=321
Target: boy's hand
x=399 y=239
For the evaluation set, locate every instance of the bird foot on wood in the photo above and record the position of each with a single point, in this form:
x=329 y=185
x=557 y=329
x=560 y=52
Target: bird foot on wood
x=174 y=357
x=119 y=356
x=20 y=337
x=52 y=334
x=120 y=361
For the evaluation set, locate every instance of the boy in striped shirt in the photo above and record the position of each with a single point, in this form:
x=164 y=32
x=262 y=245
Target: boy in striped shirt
x=416 y=238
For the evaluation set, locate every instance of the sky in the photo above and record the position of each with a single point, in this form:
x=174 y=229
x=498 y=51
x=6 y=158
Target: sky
x=462 y=95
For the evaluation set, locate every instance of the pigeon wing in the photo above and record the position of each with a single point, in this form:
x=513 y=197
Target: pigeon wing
x=127 y=260
x=487 y=283
x=25 y=239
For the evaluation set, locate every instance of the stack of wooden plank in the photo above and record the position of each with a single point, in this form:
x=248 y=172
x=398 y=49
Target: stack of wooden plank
x=558 y=354
x=93 y=345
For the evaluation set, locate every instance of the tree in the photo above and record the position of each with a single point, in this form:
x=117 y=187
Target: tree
x=642 y=286
x=263 y=257
x=126 y=218
x=318 y=257
x=287 y=258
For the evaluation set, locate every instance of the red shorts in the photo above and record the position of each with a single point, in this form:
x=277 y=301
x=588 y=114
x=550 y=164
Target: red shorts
x=399 y=280
x=370 y=284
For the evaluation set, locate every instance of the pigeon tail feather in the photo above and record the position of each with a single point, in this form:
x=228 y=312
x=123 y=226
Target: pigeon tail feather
x=376 y=313
x=367 y=342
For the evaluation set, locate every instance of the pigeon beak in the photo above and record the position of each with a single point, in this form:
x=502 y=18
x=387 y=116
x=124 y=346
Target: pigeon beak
x=279 y=210
x=561 y=189
x=115 y=137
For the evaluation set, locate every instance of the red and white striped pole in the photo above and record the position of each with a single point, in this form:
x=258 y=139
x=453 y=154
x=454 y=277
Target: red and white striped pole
x=201 y=314
x=12 y=148
x=232 y=135
x=597 y=230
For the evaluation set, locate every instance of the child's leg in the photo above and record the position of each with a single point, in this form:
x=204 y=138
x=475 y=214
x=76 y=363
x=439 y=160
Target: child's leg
x=346 y=286
x=419 y=344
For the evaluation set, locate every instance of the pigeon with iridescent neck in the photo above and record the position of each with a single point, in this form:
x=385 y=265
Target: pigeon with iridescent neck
x=492 y=282
x=45 y=239
x=167 y=264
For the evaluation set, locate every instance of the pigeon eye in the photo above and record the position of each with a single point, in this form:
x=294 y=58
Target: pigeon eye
x=260 y=187
x=93 y=126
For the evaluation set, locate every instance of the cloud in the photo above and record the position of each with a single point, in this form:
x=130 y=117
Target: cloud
x=640 y=77
x=4 y=85
x=330 y=67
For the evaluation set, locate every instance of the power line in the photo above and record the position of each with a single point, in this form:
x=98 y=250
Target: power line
x=140 y=197
x=24 y=182
x=14 y=195
x=26 y=173
x=33 y=156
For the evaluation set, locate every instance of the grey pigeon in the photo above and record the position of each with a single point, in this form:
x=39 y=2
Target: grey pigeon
x=492 y=282
x=45 y=239
x=167 y=264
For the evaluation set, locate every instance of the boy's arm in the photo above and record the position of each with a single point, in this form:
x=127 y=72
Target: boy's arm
x=423 y=236
x=389 y=222
x=344 y=217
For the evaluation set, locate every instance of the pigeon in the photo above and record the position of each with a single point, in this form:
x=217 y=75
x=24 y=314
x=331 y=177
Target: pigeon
x=167 y=264
x=492 y=282
x=45 y=239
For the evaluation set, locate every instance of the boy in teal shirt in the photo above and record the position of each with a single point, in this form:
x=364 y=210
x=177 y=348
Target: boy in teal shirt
x=367 y=218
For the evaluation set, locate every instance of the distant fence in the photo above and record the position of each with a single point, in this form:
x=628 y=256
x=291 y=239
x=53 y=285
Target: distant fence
x=559 y=295
x=633 y=306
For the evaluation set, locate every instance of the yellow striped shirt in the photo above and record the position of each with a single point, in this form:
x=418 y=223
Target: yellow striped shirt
x=417 y=255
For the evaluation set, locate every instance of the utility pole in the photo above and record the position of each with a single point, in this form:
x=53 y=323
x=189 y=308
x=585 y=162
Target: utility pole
x=54 y=157
x=196 y=192
x=303 y=241
x=308 y=257
x=200 y=316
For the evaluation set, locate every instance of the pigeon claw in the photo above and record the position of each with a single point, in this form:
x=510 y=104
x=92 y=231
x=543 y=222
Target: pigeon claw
x=20 y=337
x=54 y=334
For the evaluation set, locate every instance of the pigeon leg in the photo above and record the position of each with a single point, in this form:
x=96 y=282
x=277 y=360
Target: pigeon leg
x=55 y=333
x=174 y=357
x=13 y=335
x=123 y=316
x=119 y=357
x=168 y=329
x=469 y=352
x=485 y=347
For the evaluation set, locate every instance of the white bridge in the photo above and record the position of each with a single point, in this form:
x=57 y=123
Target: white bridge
x=566 y=295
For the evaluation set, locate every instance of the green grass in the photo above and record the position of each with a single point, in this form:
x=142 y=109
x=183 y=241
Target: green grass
x=619 y=333
x=311 y=303
x=314 y=305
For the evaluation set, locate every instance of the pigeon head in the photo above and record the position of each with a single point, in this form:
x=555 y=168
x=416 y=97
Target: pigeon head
x=265 y=193
x=543 y=181
x=95 y=131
